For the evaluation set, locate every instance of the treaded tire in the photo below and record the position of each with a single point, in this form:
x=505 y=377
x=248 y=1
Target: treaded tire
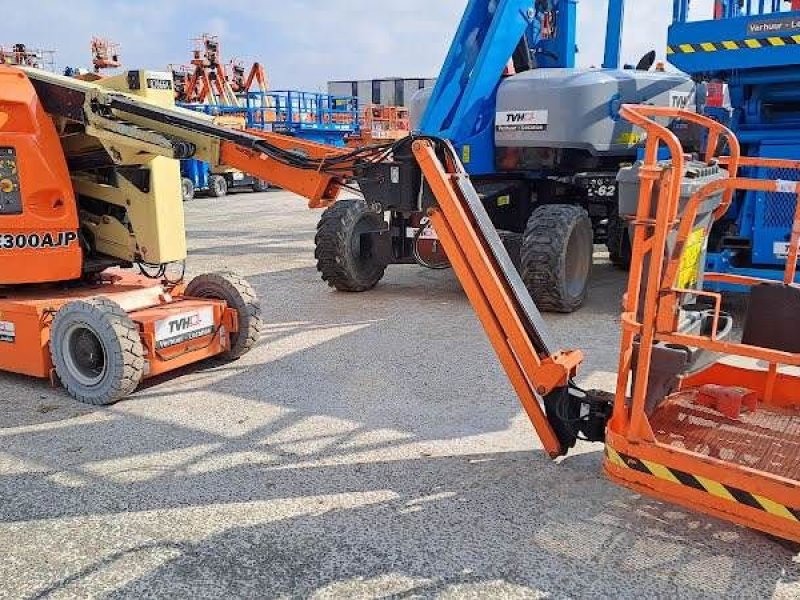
x=217 y=186
x=240 y=296
x=619 y=242
x=340 y=258
x=187 y=189
x=110 y=329
x=260 y=186
x=557 y=253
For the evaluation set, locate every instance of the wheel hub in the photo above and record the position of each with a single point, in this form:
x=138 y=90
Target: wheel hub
x=361 y=245
x=578 y=263
x=84 y=354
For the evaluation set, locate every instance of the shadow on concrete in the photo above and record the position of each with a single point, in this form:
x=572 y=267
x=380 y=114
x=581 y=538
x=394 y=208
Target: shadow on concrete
x=479 y=524
x=361 y=508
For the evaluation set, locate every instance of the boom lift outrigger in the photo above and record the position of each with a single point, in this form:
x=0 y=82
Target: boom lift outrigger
x=659 y=439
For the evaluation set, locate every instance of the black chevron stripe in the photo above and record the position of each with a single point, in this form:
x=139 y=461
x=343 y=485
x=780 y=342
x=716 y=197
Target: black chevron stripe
x=740 y=45
x=745 y=498
x=691 y=481
x=688 y=479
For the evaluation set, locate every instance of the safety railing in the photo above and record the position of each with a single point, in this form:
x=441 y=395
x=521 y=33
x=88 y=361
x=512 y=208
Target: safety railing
x=650 y=313
x=728 y=9
x=296 y=110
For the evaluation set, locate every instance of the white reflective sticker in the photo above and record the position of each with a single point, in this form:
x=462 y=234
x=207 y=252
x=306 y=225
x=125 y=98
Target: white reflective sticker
x=781 y=250
x=8 y=332
x=786 y=187
x=522 y=120
x=184 y=327
x=428 y=234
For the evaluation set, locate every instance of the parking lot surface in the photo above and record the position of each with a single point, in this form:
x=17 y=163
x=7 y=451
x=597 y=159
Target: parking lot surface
x=370 y=447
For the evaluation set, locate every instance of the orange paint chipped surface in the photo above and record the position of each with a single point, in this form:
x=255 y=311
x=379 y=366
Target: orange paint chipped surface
x=767 y=439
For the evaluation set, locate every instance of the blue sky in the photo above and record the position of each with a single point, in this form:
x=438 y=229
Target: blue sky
x=302 y=43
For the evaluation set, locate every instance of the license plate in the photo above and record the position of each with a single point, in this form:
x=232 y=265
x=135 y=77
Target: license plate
x=238 y=176
x=184 y=327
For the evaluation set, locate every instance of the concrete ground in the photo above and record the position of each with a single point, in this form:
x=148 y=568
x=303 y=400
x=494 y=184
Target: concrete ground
x=370 y=447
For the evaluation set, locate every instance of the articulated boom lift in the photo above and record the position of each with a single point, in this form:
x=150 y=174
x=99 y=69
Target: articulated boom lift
x=542 y=140
x=120 y=150
x=213 y=81
x=676 y=427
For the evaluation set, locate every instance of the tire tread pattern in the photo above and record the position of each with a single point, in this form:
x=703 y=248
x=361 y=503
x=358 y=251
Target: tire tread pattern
x=127 y=360
x=333 y=247
x=240 y=296
x=544 y=248
x=217 y=186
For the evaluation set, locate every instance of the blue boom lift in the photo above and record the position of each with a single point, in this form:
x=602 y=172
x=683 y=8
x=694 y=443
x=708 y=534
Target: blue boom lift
x=541 y=139
x=754 y=47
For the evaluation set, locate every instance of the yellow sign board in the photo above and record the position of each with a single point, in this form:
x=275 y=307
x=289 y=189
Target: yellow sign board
x=690 y=261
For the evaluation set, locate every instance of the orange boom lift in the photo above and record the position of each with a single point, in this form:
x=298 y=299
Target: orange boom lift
x=697 y=419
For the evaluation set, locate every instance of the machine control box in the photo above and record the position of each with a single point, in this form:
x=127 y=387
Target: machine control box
x=10 y=193
x=696 y=176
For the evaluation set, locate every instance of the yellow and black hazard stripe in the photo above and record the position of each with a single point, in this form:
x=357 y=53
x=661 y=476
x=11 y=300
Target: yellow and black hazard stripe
x=726 y=45
x=702 y=484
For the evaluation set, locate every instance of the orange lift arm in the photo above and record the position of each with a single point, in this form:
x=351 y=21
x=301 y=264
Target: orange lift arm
x=257 y=75
x=413 y=175
x=320 y=188
x=497 y=294
x=540 y=374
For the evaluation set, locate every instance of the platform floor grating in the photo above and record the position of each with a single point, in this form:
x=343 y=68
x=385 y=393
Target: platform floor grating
x=767 y=440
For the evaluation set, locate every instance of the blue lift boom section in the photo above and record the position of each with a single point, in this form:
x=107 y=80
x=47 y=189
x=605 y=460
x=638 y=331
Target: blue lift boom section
x=462 y=106
x=616 y=18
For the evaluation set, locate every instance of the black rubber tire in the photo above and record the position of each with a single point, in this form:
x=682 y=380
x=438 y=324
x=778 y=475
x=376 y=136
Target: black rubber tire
x=557 y=254
x=340 y=259
x=619 y=242
x=187 y=189
x=260 y=186
x=118 y=337
x=240 y=296
x=217 y=186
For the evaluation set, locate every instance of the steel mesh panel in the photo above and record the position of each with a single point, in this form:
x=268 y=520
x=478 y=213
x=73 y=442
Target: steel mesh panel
x=780 y=207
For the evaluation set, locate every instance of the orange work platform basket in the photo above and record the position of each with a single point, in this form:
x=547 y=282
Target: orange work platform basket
x=707 y=415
